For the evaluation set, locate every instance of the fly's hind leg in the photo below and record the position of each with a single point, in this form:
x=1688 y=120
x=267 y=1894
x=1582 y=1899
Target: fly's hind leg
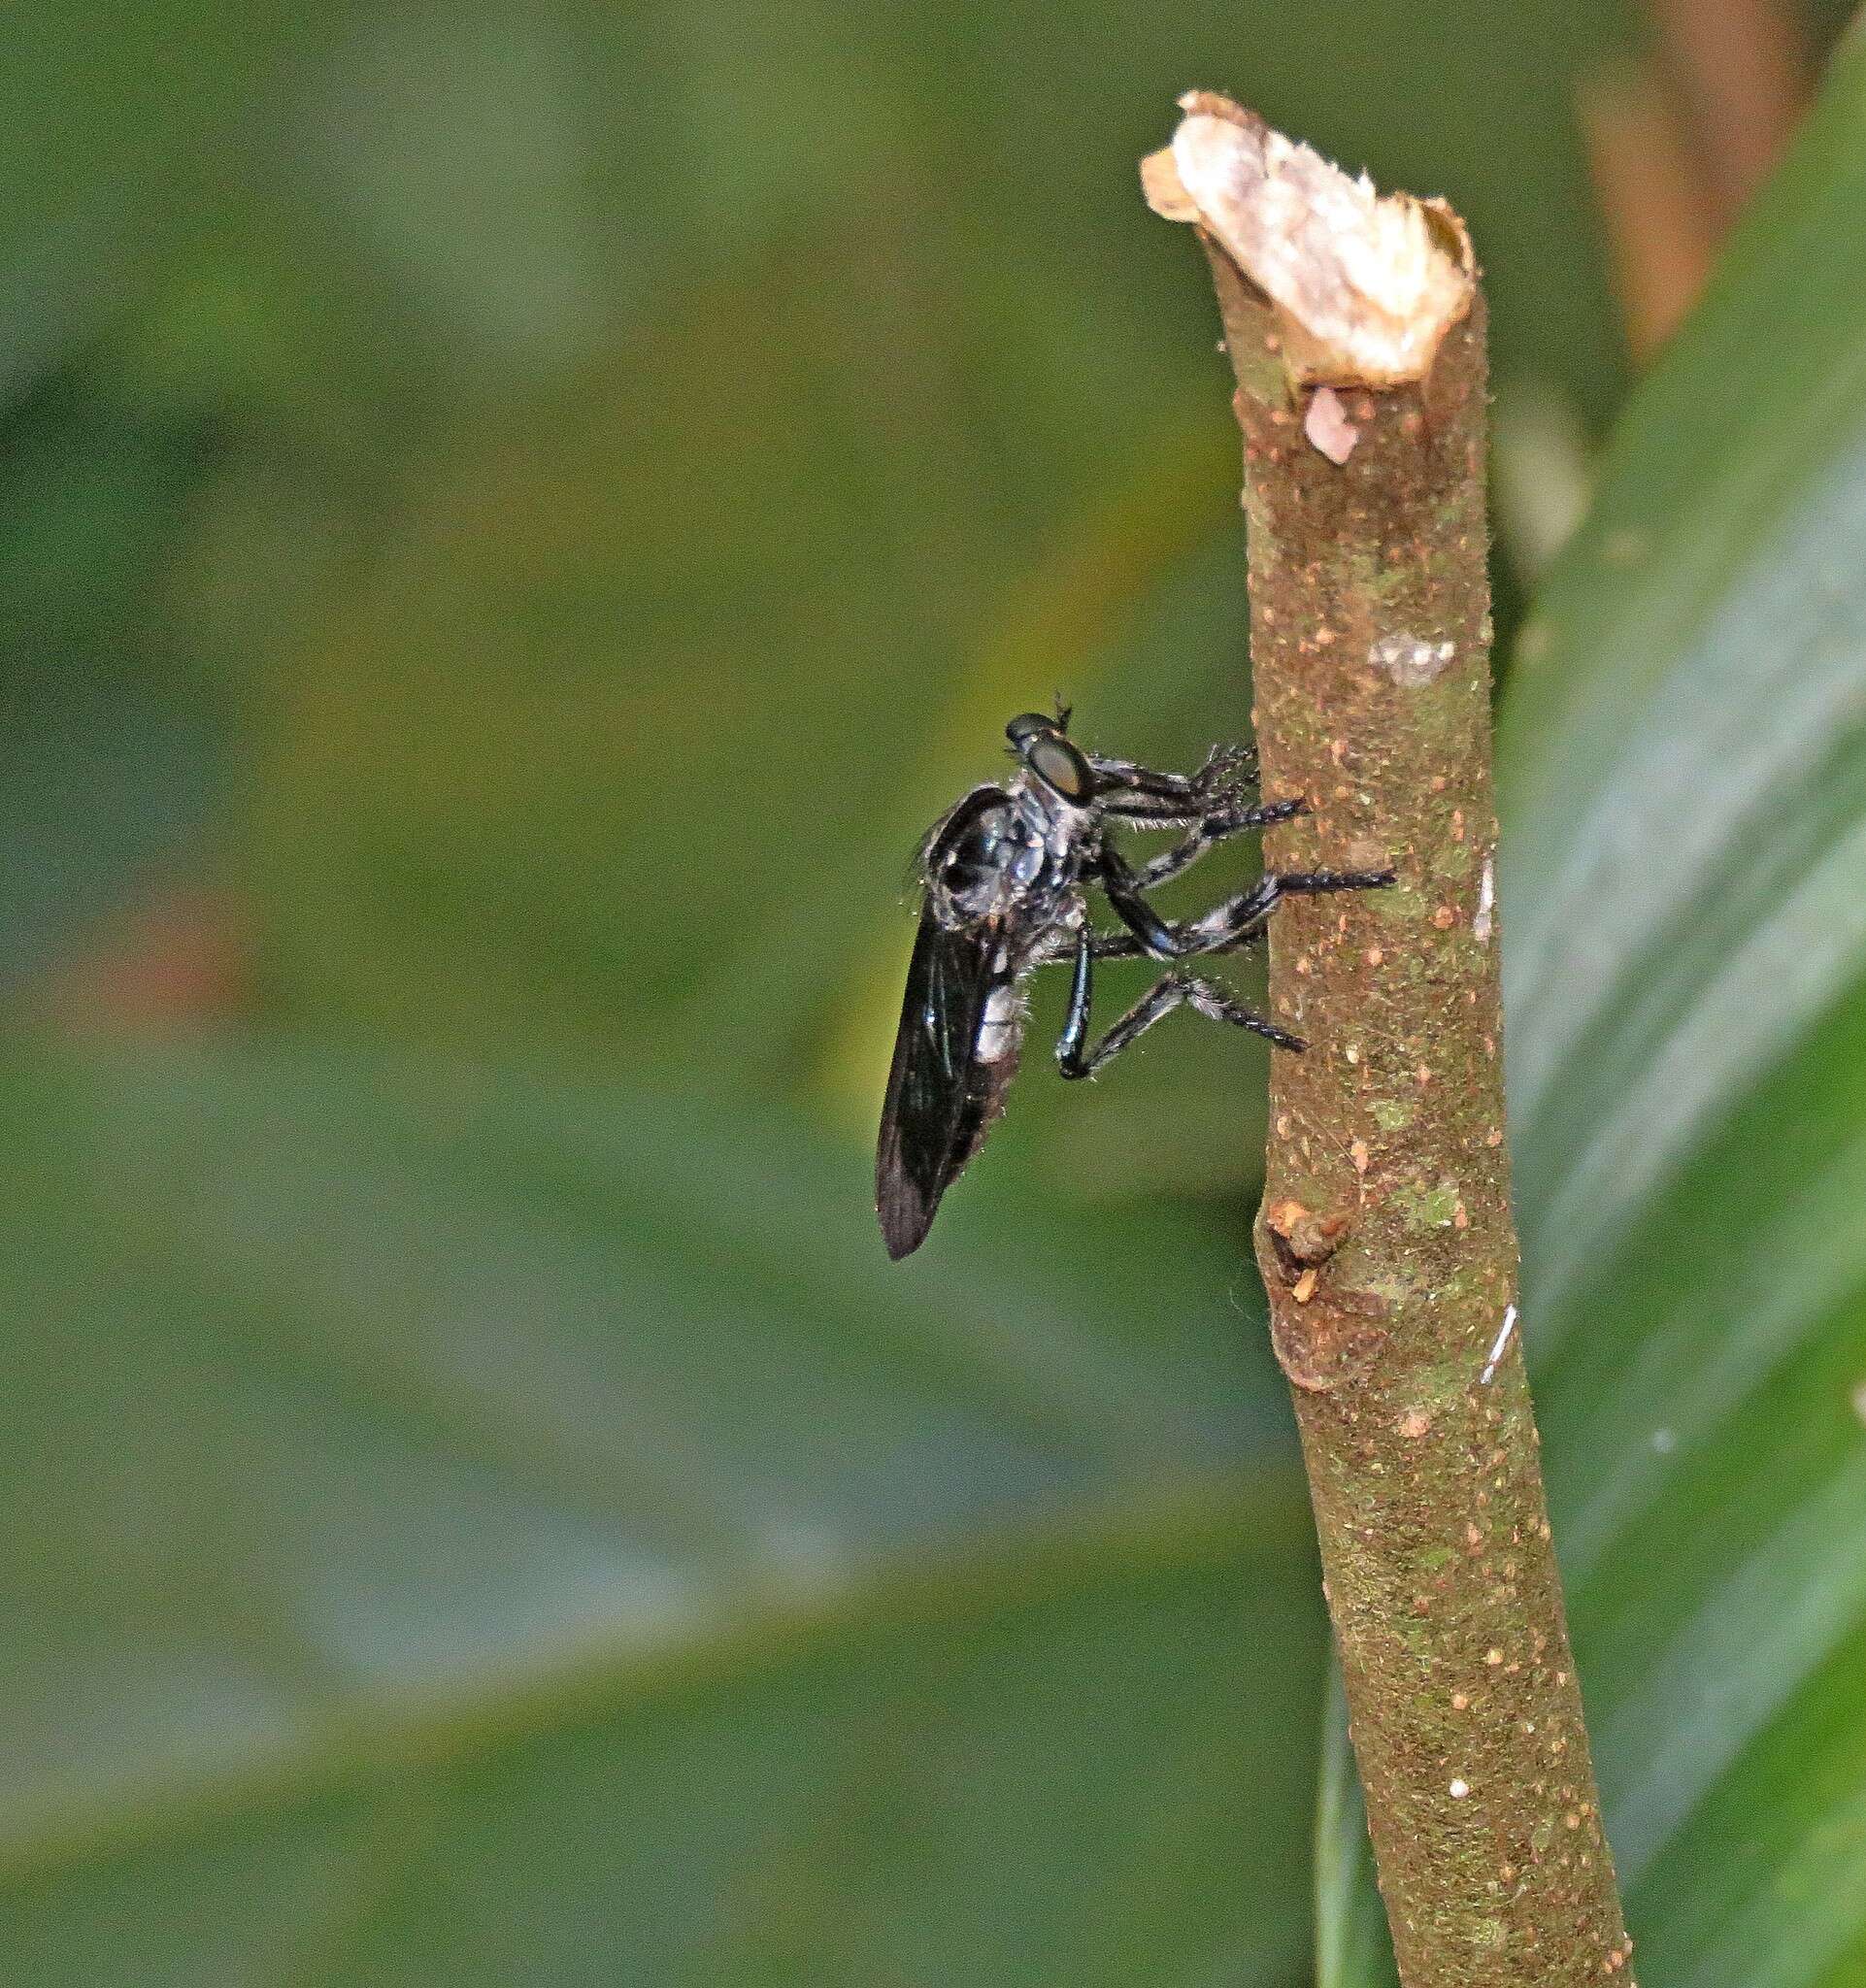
x=1169 y=991
x=1082 y=995
x=1228 y=927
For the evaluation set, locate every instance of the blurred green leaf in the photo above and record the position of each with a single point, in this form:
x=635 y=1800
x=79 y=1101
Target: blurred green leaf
x=1353 y=1944
x=1685 y=781
x=465 y=1526
x=119 y=124
x=661 y=662
x=108 y=742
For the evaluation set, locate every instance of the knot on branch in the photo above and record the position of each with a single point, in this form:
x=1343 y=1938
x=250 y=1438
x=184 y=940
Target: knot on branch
x=1301 y=1236
x=1323 y=1334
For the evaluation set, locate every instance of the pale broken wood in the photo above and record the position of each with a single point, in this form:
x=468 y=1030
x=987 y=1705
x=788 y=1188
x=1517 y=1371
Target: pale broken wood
x=1365 y=285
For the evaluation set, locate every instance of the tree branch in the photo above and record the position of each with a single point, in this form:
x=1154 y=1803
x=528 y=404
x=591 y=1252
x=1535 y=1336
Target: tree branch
x=1355 y=329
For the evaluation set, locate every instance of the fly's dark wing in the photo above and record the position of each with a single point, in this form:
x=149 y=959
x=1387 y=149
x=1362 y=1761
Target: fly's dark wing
x=940 y=1097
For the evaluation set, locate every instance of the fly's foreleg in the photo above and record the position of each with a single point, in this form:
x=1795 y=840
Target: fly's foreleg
x=1143 y=796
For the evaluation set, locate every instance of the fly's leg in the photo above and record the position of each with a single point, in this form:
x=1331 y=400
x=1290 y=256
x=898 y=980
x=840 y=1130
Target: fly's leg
x=1122 y=887
x=1229 y=927
x=1207 y=835
x=1124 y=945
x=1228 y=924
x=1169 y=991
x=1240 y=919
x=1121 y=780
x=1082 y=995
x=1143 y=796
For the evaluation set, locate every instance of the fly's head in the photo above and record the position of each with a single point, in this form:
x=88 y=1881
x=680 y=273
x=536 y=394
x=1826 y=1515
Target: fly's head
x=1059 y=769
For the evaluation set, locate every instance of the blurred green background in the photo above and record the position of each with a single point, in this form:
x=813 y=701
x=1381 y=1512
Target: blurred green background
x=513 y=517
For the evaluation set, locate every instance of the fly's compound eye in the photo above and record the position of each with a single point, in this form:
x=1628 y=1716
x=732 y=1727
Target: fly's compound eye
x=1059 y=765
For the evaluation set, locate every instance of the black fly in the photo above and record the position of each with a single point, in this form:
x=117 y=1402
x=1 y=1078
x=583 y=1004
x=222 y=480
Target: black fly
x=1004 y=876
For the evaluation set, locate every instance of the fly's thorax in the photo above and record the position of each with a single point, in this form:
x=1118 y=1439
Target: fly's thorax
x=1066 y=832
x=1004 y=856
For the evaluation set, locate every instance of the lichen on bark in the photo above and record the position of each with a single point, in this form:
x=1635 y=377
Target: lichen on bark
x=1386 y=1240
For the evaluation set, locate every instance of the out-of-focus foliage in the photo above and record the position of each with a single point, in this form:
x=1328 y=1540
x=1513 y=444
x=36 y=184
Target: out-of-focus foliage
x=419 y=1572
x=648 y=424
x=1683 y=765
x=512 y=518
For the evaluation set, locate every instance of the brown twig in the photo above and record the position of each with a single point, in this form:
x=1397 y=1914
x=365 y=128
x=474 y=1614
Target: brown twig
x=1355 y=329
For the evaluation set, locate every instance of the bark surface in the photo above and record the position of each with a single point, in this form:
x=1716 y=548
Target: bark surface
x=1386 y=1240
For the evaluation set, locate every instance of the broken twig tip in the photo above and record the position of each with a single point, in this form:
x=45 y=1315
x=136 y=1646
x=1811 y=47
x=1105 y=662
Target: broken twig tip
x=1161 y=183
x=1366 y=285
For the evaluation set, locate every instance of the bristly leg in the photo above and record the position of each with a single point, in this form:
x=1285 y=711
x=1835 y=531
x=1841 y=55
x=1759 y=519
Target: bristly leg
x=1241 y=917
x=1143 y=796
x=1169 y=991
x=1225 y=928
x=1236 y=918
x=1207 y=835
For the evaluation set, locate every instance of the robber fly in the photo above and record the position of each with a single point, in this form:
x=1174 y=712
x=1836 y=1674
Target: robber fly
x=1004 y=879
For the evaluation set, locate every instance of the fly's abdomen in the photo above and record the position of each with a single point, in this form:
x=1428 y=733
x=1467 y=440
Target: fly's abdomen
x=1001 y=1026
